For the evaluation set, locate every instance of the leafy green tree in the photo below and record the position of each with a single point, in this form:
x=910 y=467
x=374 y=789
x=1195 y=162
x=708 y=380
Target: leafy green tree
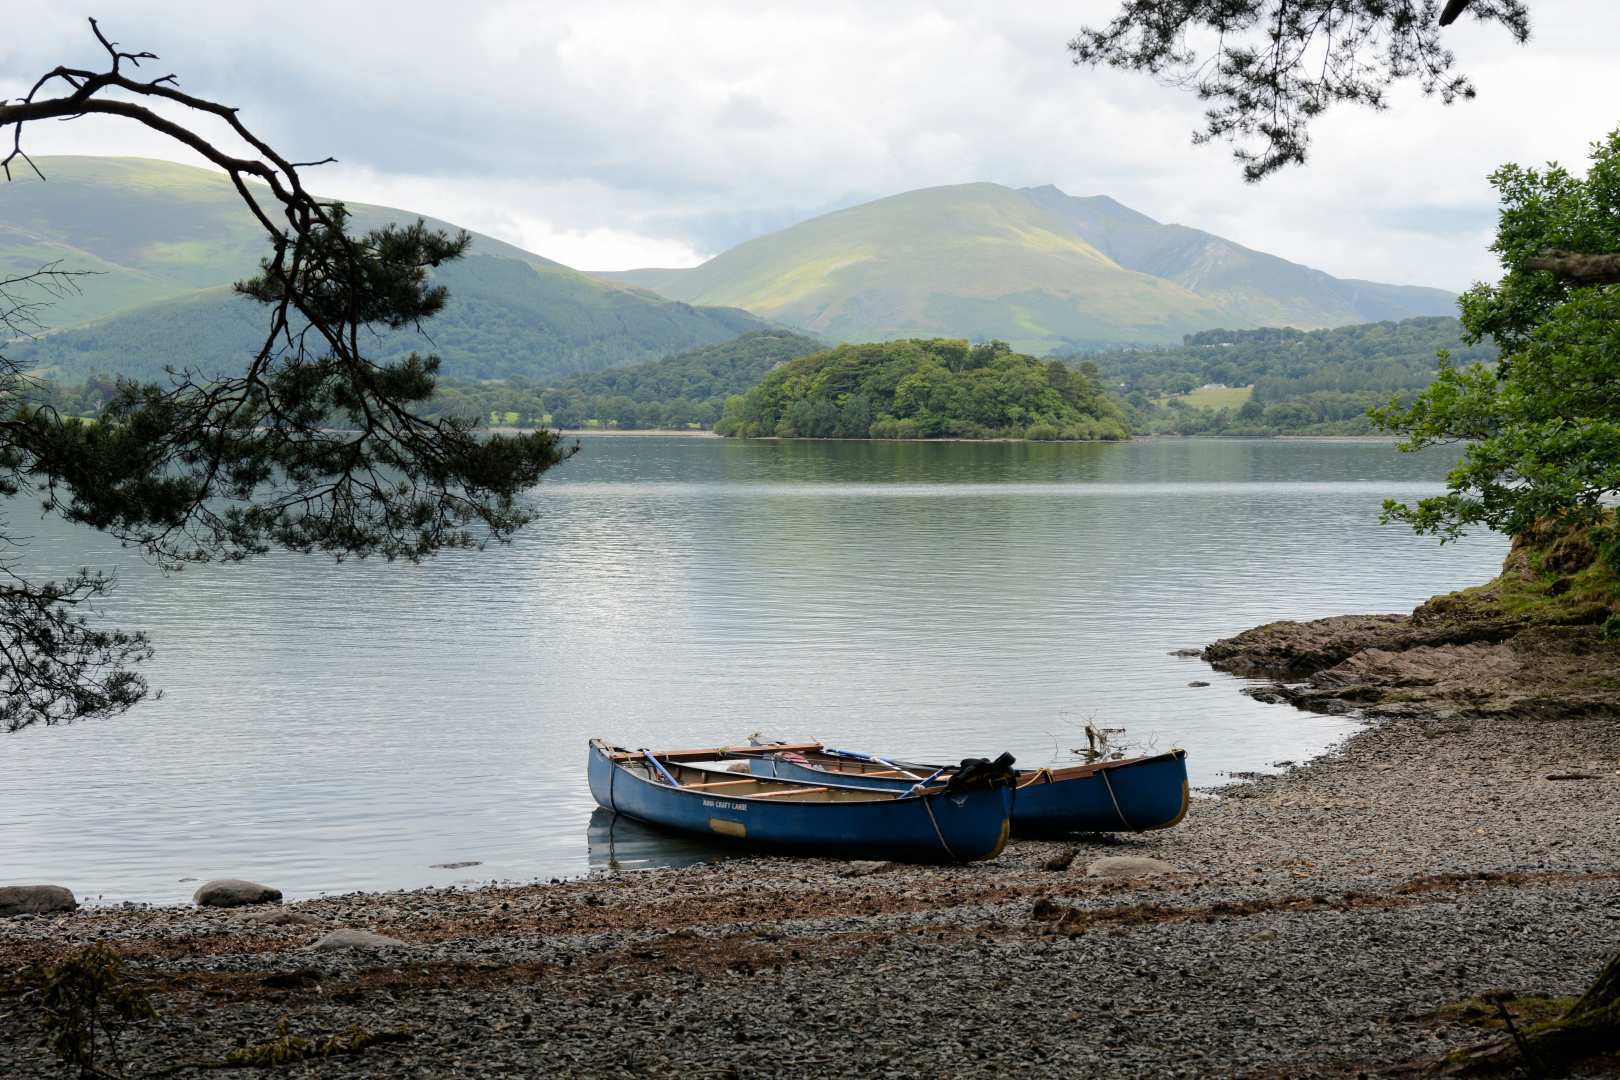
x=922 y=389
x=1542 y=425
x=314 y=446
x=1274 y=66
x=855 y=417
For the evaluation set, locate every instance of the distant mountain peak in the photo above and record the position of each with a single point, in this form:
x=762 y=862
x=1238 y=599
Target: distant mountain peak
x=1034 y=266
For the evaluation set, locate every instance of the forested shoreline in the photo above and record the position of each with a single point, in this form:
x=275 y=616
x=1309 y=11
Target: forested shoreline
x=1282 y=381
x=1273 y=381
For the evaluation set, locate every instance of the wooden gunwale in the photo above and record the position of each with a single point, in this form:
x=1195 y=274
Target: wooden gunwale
x=708 y=752
x=1071 y=772
x=1026 y=777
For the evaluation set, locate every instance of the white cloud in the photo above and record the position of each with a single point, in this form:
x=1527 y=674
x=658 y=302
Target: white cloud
x=619 y=132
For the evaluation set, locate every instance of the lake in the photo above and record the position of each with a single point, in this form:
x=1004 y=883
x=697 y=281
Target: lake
x=335 y=727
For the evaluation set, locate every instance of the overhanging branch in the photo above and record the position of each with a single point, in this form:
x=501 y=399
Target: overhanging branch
x=1578 y=267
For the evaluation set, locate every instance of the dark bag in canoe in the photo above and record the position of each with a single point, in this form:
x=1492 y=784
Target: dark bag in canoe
x=978 y=772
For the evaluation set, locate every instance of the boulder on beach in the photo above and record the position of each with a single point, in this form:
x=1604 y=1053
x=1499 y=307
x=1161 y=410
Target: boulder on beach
x=355 y=939
x=35 y=900
x=234 y=892
x=1128 y=866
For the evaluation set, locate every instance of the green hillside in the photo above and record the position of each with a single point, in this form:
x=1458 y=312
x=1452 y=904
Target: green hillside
x=169 y=239
x=711 y=373
x=684 y=390
x=1034 y=267
x=1251 y=287
x=919 y=389
x=976 y=260
x=1318 y=382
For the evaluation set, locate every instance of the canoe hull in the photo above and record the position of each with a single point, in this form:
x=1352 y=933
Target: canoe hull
x=1140 y=795
x=1136 y=795
x=934 y=828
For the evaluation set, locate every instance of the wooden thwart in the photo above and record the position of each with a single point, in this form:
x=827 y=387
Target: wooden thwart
x=792 y=791
x=722 y=783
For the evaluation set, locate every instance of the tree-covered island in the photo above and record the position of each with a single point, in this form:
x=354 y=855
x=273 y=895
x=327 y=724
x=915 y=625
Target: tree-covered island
x=925 y=389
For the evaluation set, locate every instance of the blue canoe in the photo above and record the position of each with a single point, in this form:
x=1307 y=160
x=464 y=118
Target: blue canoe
x=1128 y=795
x=848 y=820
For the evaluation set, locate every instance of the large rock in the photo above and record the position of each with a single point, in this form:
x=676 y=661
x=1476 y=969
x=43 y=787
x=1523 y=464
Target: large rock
x=1292 y=650
x=234 y=892
x=35 y=900
x=355 y=939
x=1285 y=650
x=1543 y=671
x=1128 y=866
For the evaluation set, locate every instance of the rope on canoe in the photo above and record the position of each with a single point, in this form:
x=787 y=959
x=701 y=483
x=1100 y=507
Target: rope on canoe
x=1036 y=777
x=928 y=804
x=613 y=771
x=1110 y=786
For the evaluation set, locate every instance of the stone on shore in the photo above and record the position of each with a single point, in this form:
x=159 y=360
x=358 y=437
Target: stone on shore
x=1062 y=860
x=234 y=892
x=1128 y=866
x=35 y=900
x=865 y=868
x=279 y=917
x=355 y=939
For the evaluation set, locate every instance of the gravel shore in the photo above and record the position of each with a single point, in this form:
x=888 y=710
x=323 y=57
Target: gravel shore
x=1329 y=921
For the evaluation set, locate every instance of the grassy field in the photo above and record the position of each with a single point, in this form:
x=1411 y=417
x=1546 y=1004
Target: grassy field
x=1226 y=397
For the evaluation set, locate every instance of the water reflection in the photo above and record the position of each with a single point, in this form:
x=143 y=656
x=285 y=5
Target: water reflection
x=331 y=728
x=616 y=842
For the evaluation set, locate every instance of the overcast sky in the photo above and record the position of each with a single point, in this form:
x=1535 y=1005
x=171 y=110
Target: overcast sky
x=608 y=135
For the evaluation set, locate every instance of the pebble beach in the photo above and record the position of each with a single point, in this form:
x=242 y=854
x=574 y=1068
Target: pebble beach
x=1335 y=920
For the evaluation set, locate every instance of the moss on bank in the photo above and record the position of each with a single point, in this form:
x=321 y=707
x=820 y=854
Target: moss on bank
x=1548 y=1034
x=1550 y=578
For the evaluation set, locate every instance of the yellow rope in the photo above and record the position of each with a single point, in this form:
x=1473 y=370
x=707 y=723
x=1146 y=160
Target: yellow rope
x=1040 y=774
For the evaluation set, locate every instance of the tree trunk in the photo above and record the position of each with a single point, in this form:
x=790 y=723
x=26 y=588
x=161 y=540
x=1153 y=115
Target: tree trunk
x=1590 y=1027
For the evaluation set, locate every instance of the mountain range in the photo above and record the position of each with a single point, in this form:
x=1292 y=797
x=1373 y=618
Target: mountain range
x=1040 y=269
x=166 y=241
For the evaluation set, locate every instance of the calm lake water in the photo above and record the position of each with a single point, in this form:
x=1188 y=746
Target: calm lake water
x=327 y=728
